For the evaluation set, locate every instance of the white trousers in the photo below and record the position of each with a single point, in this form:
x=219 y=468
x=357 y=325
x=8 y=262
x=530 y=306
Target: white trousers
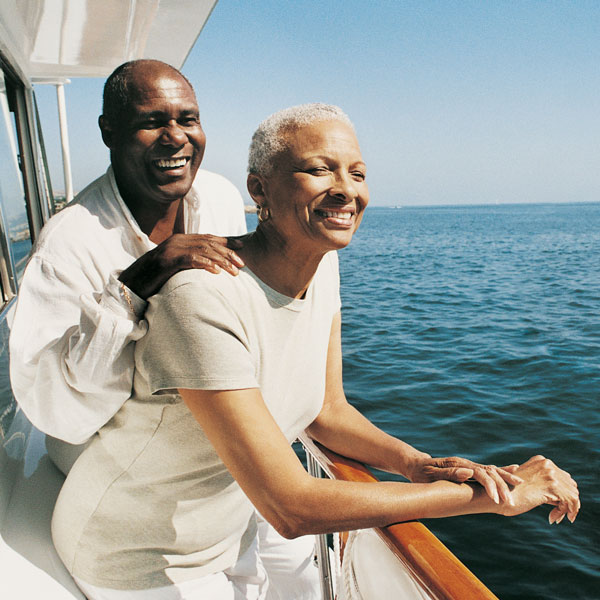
x=273 y=568
x=292 y=571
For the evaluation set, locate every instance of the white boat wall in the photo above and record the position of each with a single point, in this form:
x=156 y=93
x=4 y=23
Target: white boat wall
x=404 y=561
x=48 y=41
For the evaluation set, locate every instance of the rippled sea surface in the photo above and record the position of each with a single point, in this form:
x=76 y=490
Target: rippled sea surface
x=476 y=331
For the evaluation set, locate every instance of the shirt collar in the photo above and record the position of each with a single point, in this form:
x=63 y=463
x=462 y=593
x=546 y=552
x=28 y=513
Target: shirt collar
x=191 y=208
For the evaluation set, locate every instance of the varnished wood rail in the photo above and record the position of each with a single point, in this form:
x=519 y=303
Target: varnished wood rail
x=431 y=563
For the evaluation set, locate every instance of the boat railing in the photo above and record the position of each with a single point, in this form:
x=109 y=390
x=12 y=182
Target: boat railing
x=434 y=569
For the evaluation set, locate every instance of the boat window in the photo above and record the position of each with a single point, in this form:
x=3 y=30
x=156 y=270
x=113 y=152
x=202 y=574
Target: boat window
x=16 y=234
x=50 y=205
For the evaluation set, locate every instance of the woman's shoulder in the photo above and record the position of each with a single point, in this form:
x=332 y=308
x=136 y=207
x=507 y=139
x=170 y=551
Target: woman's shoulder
x=193 y=281
x=194 y=297
x=329 y=266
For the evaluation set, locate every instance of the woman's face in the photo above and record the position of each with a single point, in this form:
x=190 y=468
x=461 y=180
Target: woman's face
x=317 y=191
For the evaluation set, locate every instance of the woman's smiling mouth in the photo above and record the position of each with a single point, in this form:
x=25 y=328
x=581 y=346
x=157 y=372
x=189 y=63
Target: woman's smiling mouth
x=337 y=218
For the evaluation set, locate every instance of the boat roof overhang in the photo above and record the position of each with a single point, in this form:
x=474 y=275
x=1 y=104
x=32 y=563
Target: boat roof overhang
x=55 y=39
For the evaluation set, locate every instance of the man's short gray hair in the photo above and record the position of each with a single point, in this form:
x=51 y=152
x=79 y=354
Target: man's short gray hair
x=269 y=139
x=117 y=88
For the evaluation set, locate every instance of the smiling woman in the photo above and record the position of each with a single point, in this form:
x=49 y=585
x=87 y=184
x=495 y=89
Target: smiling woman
x=231 y=372
x=313 y=190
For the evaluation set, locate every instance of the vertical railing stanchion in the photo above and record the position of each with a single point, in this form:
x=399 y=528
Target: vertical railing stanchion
x=322 y=549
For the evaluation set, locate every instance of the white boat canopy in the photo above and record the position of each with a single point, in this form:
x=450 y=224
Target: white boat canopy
x=49 y=41
x=56 y=39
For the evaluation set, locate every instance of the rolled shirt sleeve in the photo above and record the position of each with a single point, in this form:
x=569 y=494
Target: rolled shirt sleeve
x=71 y=354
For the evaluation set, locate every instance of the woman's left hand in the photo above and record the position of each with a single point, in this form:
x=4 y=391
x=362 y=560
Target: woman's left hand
x=494 y=479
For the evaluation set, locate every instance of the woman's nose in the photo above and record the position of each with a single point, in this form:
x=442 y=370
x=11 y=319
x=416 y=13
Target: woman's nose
x=343 y=187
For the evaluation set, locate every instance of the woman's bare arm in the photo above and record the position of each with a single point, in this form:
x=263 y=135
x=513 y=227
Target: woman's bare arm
x=255 y=451
x=344 y=430
x=253 y=448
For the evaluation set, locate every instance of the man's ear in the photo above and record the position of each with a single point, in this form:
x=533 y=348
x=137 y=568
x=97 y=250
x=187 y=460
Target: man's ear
x=108 y=134
x=256 y=188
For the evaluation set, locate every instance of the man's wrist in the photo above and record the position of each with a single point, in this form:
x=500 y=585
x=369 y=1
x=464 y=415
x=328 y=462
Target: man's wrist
x=128 y=301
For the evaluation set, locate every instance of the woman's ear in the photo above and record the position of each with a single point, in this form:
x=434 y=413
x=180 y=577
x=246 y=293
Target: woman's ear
x=256 y=188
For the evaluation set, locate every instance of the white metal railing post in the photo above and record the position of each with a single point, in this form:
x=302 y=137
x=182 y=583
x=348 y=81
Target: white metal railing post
x=322 y=549
x=64 y=140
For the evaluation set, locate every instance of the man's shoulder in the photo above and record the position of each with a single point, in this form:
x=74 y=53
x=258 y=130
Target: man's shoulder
x=206 y=178
x=88 y=214
x=209 y=185
x=218 y=203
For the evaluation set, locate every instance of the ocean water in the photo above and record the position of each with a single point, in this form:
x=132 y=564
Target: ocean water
x=475 y=331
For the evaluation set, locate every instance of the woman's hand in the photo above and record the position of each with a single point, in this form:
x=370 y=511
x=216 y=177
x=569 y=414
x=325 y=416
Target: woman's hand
x=544 y=483
x=495 y=480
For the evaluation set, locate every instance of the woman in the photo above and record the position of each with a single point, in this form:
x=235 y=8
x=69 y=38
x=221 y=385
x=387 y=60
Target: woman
x=163 y=502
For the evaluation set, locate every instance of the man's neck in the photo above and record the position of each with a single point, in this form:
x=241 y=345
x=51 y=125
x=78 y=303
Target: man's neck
x=158 y=222
x=159 y=227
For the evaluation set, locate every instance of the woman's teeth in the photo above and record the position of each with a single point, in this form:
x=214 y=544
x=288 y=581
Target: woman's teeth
x=336 y=215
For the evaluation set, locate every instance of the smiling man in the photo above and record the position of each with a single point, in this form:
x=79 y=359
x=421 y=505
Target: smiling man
x=83 y=295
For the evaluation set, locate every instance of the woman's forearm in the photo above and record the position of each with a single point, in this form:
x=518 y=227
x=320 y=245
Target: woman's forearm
x=323 y=506
x=341 y=428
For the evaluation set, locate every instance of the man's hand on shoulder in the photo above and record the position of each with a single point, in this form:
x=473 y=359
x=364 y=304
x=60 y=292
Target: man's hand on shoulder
x=180 y=252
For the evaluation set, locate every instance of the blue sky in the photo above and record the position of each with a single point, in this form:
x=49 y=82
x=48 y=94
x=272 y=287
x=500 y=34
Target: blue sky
x=454 y=102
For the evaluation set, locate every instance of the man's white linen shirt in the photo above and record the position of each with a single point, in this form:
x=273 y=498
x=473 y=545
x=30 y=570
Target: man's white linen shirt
x=73 y=334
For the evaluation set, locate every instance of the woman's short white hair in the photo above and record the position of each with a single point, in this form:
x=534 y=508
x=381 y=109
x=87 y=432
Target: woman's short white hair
x=269 y=139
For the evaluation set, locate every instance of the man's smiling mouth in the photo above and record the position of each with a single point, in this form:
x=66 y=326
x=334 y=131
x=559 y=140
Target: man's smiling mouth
x=171 y=163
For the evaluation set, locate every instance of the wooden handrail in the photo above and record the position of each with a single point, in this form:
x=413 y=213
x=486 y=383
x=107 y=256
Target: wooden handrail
x=431 y=563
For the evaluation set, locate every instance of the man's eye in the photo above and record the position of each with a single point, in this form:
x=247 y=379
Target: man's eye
x=150 y=124
x=359 y=175
x=189 y=121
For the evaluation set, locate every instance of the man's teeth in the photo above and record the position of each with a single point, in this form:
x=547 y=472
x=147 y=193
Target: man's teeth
x=337 y=215
x=171 y=163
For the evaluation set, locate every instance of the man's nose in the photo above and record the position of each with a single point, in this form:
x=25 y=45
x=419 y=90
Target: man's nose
x=173 y=134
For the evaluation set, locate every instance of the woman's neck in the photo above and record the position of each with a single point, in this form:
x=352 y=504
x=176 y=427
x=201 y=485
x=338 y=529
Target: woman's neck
x=284 y=267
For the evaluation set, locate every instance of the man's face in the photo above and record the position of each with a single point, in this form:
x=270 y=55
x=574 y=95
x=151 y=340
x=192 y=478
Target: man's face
x=158 y=146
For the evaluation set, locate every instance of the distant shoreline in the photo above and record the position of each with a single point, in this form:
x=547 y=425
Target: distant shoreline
x=482 y=205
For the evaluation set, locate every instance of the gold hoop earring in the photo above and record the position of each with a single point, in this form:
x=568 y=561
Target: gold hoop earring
x=264 y=214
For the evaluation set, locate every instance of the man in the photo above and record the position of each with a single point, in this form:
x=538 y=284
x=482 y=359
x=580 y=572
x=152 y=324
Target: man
x=84 y=289
x=83 y=295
